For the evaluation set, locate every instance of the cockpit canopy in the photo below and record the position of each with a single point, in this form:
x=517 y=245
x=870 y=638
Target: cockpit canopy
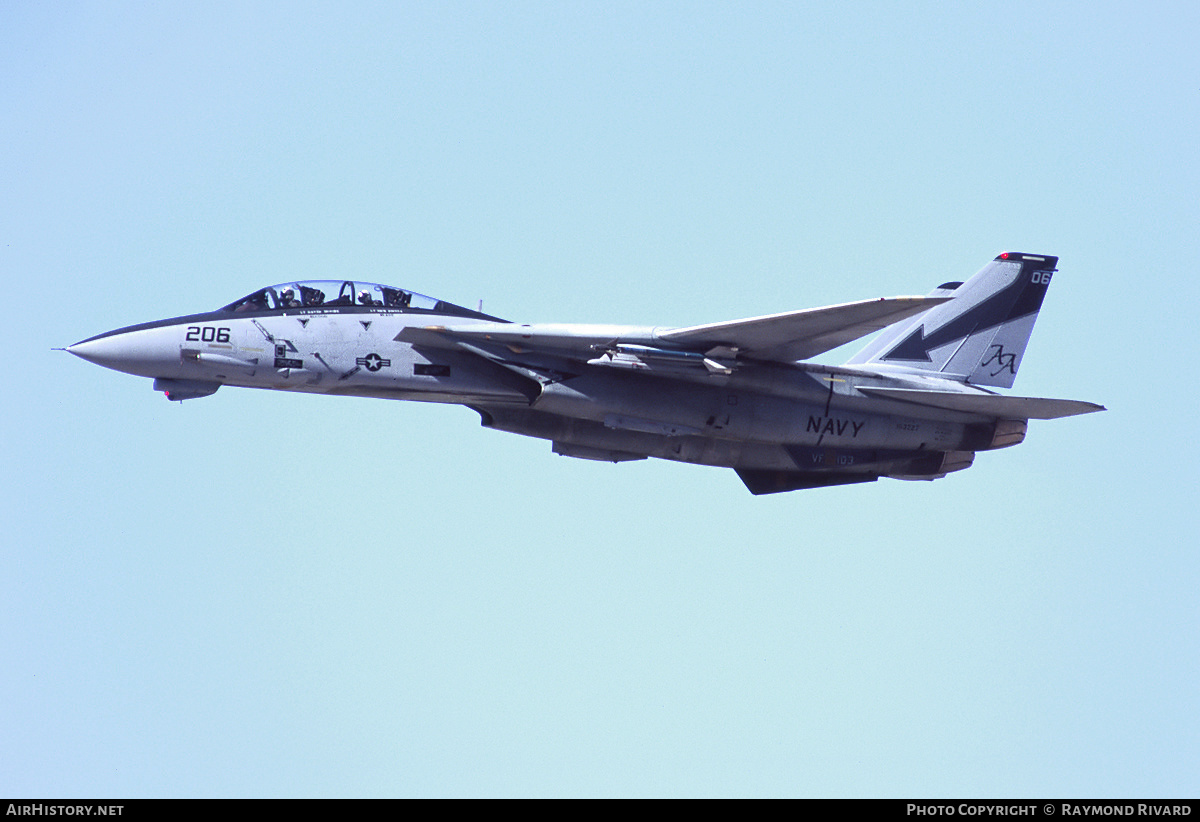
x=332 y=294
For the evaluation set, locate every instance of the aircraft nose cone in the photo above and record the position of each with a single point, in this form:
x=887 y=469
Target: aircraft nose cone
x=109 y=352
x=146 y=353
x=87 y=350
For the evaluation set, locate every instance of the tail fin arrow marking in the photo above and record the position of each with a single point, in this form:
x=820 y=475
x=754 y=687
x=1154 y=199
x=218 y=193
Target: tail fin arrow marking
x=1020 y=298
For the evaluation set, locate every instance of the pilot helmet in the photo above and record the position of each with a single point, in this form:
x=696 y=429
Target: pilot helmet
x=288 y=294
x=364 y=297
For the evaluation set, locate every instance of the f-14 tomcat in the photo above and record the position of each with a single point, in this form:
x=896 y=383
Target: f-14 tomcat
x=738 y=394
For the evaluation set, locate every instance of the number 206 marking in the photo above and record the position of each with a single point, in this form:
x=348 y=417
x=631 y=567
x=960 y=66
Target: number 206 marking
x=207 y=334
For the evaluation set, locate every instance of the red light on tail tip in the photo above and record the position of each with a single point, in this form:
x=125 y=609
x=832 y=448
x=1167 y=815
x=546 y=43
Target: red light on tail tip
x=1004 y=256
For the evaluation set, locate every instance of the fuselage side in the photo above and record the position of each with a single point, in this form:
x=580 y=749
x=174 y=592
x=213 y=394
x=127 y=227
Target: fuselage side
x=764 y=416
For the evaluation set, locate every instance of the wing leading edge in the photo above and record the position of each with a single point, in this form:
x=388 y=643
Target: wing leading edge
x=798 y=335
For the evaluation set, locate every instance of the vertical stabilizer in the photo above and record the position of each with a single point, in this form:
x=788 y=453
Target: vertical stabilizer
x=979 y=336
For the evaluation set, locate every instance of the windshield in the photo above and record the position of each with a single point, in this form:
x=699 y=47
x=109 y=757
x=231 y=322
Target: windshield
x=320 y=295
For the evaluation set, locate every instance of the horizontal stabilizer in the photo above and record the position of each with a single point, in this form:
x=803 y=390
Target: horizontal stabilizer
x=988 y=405
x=798 y=335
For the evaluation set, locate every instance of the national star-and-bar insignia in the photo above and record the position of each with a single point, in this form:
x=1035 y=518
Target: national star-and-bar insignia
x=373 y=362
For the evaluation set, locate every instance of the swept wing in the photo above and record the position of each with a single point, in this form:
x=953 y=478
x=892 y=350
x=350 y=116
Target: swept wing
x=785 y=337
x=798 y=335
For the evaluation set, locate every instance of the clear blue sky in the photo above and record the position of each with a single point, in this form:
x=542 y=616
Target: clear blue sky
x=258 y=594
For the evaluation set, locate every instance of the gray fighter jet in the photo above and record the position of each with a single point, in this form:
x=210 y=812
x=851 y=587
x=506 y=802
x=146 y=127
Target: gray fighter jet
x=738 y=394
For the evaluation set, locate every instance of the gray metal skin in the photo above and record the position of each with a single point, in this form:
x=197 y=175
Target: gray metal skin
x=735 y=394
